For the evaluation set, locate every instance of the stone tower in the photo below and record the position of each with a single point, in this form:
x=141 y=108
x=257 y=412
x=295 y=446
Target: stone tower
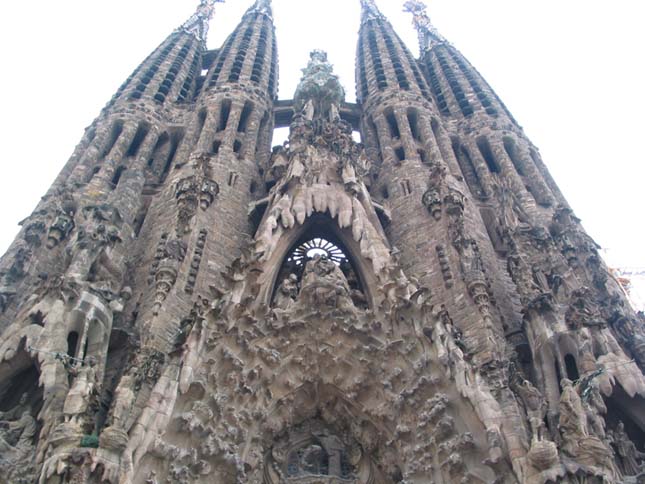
x=188 y=305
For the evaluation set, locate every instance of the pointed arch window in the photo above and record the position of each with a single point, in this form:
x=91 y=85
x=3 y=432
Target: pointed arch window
x=324 y=244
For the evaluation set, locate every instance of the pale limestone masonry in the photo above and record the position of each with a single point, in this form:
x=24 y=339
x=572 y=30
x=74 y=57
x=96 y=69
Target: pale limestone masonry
x=189 y=305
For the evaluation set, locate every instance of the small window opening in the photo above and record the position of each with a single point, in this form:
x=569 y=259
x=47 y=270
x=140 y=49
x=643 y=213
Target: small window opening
x=201 y=121
x=400 y=153
x=94 y=171
x=157 y=152
x=224 y=115
x=253 y=187
x=490 y=222
x=232 y=179
x=511 y=151
x=572 y=367
x=117 y=176
x=280 y=135
x=413 y=119
x=385 y=192
x=395 y=133
x=467 y=167
x=407 y=187
x=175 y=141
x=141 y=217
x=237 y=147
x=72 y=343
x=216 y=146
x=558 y=376
x=435 y=85
x=487 y=153
x=423 y=155
x=117 y=129
x=91 y=134
x=139 y=137
x=244 y=117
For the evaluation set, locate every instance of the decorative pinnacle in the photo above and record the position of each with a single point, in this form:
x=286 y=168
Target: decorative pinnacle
x=197 y=24
x=319 y=92
x=428 y=34
x=262 y=7
x=370 y=11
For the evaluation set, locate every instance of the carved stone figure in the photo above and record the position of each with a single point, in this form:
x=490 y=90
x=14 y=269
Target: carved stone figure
x=81 y=391
x=400 y=357
x=432 y=201
x=323 y=283
x=287 y=292
x=17 y=435
x=319 y=88
x=572 y=423
x=99 y=233
x=535 y=406
x=61 y=227
x=629 y=455
x=471 y=262
x=16 y=412
x=583 y=311
x=124 y=399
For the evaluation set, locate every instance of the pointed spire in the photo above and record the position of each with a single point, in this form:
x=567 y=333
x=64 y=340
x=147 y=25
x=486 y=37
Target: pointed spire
x=262 y=7
x=370 y=11
x=197 y=24
x=319 y=92
x=428 y=34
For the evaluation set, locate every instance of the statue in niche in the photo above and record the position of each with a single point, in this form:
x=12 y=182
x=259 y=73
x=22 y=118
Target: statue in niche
x=279 y=163
x=287 y=292
x=81 y=392
x=572 y=423
x=348 y=175
x=16 y=412
x=536 y=408
x=512 y=215
x=595 y=408
x=124 y=399
x=323 y=283
x=99 y=233
x=61 y=227
x=17 y=432
x=63 y=224
x=432 y=201
x=627 y=451
x=471 y=262
x=16 y=436
x=582 y=310
x=358 y=298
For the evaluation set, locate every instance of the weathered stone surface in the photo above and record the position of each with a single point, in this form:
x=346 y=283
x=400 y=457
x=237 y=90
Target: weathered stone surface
x=187 y=305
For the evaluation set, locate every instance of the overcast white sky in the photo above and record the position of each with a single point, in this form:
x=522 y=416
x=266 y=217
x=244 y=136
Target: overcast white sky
x=571 y=72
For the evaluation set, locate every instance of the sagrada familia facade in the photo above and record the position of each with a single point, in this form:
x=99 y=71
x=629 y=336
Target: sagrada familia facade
x=187 y=304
